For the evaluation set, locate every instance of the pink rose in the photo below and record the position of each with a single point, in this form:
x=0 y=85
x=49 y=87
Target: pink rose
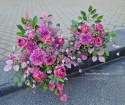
x=50 y=60
x=63 y=98
x=60 y=71
x=84 y=28
x=34 y=70
x=77 y=44
x=60 y=41
x=84 y=57
x=31 y=35
x=69 y=54
x=39 y=76
x=97 y=41
x=59 y=86
x=51 y=87
x=47 y=39
x=21 y=42
x=59 y=93
x=99 y=27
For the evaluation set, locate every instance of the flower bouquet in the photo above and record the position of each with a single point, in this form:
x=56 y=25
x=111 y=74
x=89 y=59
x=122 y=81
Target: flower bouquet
x=88 y=38
x=39 y=54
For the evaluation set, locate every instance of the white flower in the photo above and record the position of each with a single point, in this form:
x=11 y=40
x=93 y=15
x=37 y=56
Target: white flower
x=117 y=46
x=34 y=86
x=117 y=53
x=71 y=43
x=79 y=60
x=77 y=48
x=80 y=70
x=67 y=50
x=66 y=78
x=113 y=45
x=28 y=83
x=74 y=57
x=79 y=52
x=74 y=64
x=49 y=71
x=63 y=61
x=62 y=50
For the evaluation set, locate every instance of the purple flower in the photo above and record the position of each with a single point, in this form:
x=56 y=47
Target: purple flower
x=44 y=31
x=49 y=50
x=38 y=57
x=50 y=60
x=31 y=46
x=86 y=38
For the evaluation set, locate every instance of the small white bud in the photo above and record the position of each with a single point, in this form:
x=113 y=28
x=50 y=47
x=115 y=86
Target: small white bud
x=80 y=70
x=66 y=78
x=71 y=43
x=28 y=83
x=117 y=53
x=49 y=71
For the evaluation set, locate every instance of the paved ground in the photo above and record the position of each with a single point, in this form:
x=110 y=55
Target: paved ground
x=63 y=11
x=102 y=85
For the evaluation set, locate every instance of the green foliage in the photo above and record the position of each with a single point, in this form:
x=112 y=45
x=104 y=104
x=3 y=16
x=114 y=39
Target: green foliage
x=15 y=79
x=58 y=25
x=49 y=23
x=97 y=21
x=94 y=16
x=105 y=45
x=23 y=20
x=90 y=8
x=93 y=11
x=61 y=80
x=31 y=23
x=55 y=91
x=20 y=33
x=94 y=53
x=42 y=45
x=19 y=84
x=49 y=15
x=37 y=34
x=107 y=53
x=83 y=13
x=35 y=21
x=21 y=28
x=79 y=18
x=100 y=17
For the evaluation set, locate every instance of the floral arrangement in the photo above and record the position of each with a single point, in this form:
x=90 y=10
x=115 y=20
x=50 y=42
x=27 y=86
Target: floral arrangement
x=43 y=56
x=39 y=54
x=88 y=38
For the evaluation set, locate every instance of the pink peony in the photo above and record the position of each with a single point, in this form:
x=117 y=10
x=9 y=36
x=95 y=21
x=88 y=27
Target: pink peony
x=31 y=46
x=60 y=41
x=77 y=44
x=31 y=35
x=37 y=57
x=97 y=41
x=86 y=38
x=23 y=56
x=99 y=27
x=55 y=46
x=50 y=60
x=44 y=31
x=39 y=76
x=84 y=28
x=47 y=39
x=60 y=71
x=59 y=86
x=51 y=87
x=84 y=57
x=22 y=42
x=59 y=93
x=49 y=50
x=34 y=70
x=63 y=98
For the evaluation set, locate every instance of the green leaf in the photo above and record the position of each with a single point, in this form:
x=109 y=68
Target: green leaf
x=49 y=23
x=93 y=12
x=74 y=23
x=45 y=88
x=51 y=76
x=49 y=68
x=95 y=16
x=58 y=25
x=90 y=8
x=105 y=45
x=100 y=17
x=23 y=20
x=83 y=13
x=81 y=23
x=97 y=21
x=85 y=18
x=107 y=53
x=79 y=18
x=56 y=80
x=19 y=84
x=21 y=28
x=74 y=28
x=61 y=80
x=113 y=35
x=49 y=15
x=42 y=45
x=55 y=91
x=20 y=33
x=93 y=53
x=37 y=34
x=35 y=21
x=15 y=79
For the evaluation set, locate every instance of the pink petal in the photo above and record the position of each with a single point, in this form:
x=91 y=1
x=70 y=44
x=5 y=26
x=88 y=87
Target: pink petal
x=68 y=65
x=63 y=98
x=91 y=50
x=16 y=67
x=7 y=67
x=84 y=57
x=50 y=18
x=23 y=64
x=26 y=15
x=101 y=59
x=59 y=93
x=94 y=58
x=51 y=87
x=44 y=15
x=100 y=52
x=9 y=62
x=24 y=75
x=42 y=23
